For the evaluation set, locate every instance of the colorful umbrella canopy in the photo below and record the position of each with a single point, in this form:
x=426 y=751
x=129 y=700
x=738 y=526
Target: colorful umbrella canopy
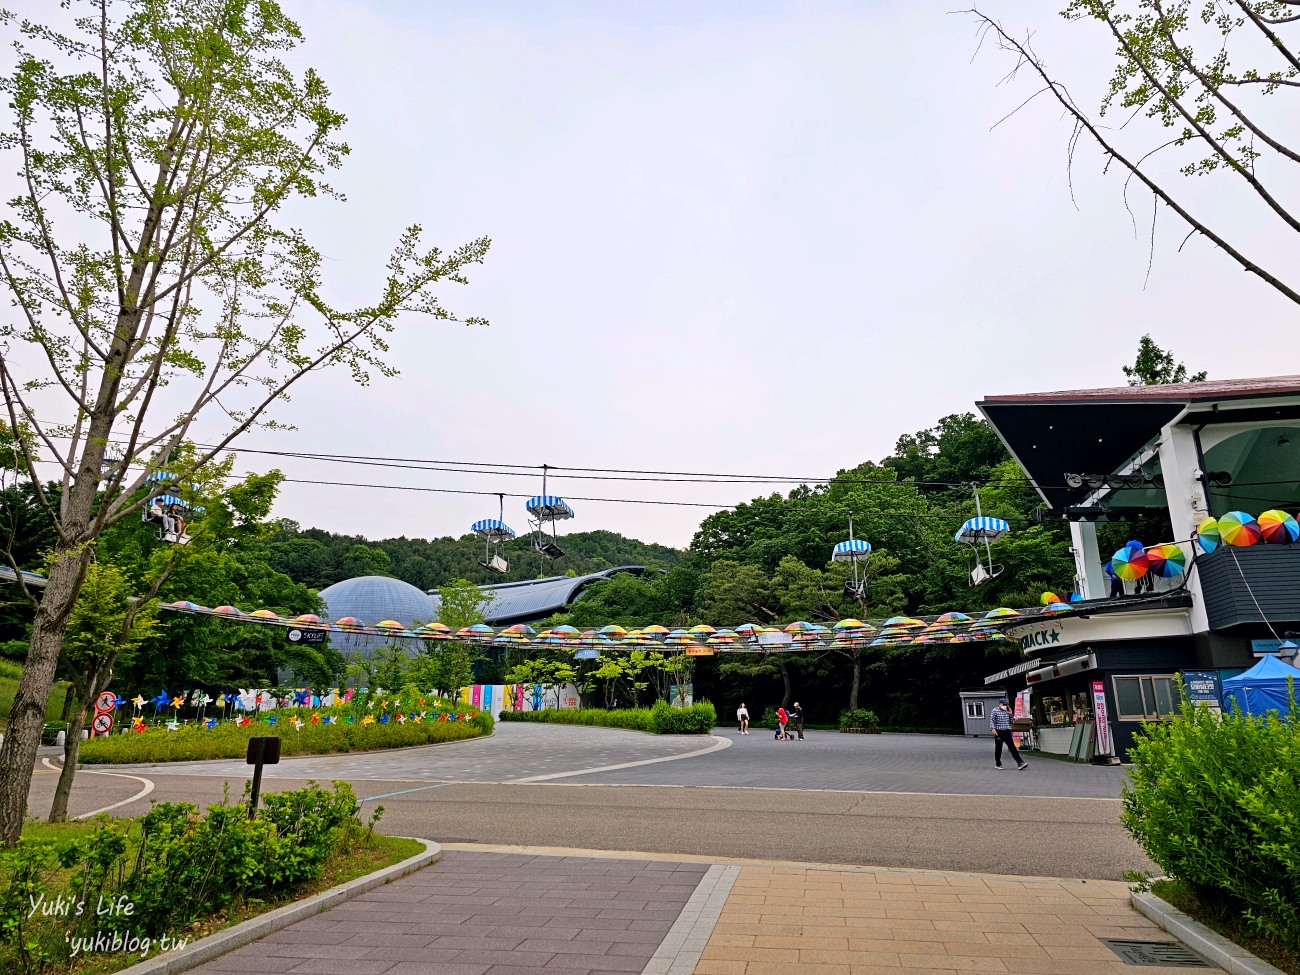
x=433 y=631
x=1239 y=528
x=388 y=626
x=953 y=618
x=349 y=623
x=1167 y=560
x=264 y=614
x=1278 y=527
x=227 y=611
x=1129 y=563
x=703 y=629
x=1207 y=533
x=679 y=637
x=479 y=632
x=1048 y=598
x=749 y=630
x=306 y=619
x=1056 y=607
x=798 y=626
x=1001 y=613
x=654 y=630
x=613 y=630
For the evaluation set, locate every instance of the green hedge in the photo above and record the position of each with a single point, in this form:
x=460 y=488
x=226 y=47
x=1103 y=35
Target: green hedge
x=661 y=719
x=228 y=740
x=1215 y=801
x=176 y=867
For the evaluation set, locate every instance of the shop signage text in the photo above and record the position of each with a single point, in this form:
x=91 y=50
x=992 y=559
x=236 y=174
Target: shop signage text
x=1040 y=638
x=1099 y=715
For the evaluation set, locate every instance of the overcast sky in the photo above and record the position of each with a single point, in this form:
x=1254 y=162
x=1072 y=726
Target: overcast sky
x=753 y=236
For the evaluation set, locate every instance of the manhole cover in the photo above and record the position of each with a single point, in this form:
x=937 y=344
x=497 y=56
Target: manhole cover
x=1169 y=953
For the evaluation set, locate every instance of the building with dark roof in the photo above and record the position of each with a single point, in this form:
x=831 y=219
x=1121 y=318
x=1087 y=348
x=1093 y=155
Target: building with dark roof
x=1193 y=451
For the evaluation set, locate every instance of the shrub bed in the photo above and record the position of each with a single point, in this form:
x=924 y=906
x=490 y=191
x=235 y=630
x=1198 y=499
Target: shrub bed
x=1215 y=802
x=661 y=719
x=230 y=740
x=142 y=884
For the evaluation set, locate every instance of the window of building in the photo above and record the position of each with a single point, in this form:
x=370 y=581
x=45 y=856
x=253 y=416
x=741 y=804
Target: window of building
x=974 y=709
x=1145 y=697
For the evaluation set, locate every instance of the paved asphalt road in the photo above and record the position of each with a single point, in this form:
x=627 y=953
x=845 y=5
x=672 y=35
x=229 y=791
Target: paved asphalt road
x=916 y=802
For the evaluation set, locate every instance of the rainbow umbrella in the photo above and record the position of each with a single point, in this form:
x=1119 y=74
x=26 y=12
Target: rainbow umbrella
x=264 y=614
x=1048 y=598
x=1001 y=613
x=1056 y=607
x=1130 y=563
x=227 y=611
x=1167 y=560
x=389 y=626
x=850 y=624
x=1278 y=527
x=433 y=631
x=679 y=637
x=520 y=629
x=350 y=623
x=185 y=606
x=655 y=630
x=1207 y=533
x=749 y=630
x=613 y=630
x=1239 y=528
x=953 y=618
x=479 y=632
x=702 y=629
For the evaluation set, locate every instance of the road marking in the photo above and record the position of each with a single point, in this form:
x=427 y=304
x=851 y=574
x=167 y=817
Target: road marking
x=423 y=788
x=148 y=788
x=718 y=745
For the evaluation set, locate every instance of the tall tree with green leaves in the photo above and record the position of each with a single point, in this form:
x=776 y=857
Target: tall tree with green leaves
x=1203 y=88
x=1155 y=366
x=155 y=283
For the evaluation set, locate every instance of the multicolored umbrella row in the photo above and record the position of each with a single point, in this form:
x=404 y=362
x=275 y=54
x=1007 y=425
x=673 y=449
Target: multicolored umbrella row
x=1239 y=528
x=698 y=640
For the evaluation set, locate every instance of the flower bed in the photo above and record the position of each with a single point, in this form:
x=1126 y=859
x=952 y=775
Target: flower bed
x=698 y=719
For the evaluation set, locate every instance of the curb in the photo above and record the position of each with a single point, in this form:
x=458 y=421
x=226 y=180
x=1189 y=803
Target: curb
x=1210 y=946
x=246 y=932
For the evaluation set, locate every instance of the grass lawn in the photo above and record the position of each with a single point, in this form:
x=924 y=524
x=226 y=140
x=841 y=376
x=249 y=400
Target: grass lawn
x=1226 y=919
x=11 y=674
x=365 y=856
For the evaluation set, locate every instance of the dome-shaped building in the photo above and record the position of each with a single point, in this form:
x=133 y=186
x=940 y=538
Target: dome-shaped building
x=372 y=599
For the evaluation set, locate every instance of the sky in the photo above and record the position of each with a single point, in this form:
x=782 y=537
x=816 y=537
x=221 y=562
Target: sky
x=762 y=237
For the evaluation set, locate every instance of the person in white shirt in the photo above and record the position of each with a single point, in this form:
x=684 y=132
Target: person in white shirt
x=742 y=715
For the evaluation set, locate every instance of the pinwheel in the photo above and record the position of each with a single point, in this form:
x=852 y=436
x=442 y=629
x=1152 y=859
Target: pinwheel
x=160 y=701
x=272 y=720
x=1129 y=563
x=1278 y=527
x=243 y=722
x=137 y=724
x=1207 y=534
x=1167 y=560
x=315 y=719
x=383 y=719
x=297 y=724
x=138 y=700
x=1239 y=528
x=401 y=719
x=210 y=723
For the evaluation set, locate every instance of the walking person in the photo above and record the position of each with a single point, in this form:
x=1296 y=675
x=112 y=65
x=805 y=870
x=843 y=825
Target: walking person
x=782 y=722
x=796 y=713
x=1000 y=725
x=742 y=716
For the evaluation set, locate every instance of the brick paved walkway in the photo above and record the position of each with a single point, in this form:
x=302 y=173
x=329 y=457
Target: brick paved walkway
x=780 y=920
x=493 y=913
x=488 y=914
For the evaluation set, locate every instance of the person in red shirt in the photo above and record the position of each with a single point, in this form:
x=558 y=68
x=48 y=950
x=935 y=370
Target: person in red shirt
x=782 y=720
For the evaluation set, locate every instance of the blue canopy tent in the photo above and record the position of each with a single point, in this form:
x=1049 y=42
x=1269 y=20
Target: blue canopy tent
x=1263 y=688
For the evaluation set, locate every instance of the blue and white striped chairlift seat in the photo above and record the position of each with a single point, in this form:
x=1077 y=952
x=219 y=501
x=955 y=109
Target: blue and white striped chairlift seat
x=492 y=530
x=548 y=507
x=981 y=530
x=851 y=551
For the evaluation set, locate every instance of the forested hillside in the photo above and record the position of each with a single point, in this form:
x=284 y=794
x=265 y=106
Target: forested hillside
x=319 y=558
